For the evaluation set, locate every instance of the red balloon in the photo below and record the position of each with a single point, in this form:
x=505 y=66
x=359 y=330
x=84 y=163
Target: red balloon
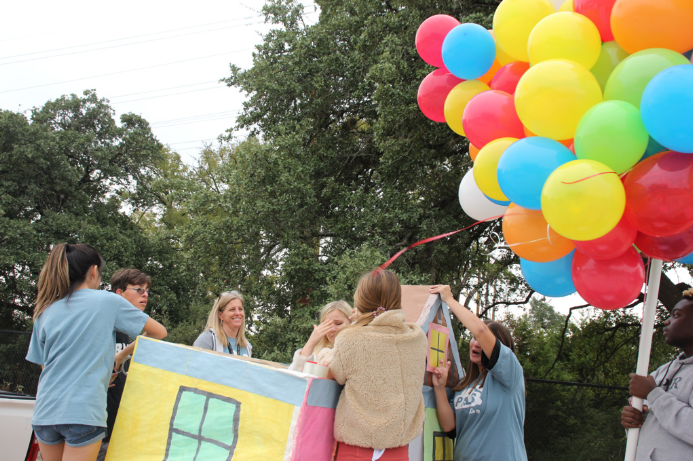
x=659 y=194
x=430 y=36
x=608 y=283
x=666 y=248
x=599 y=12
x=491 y=115
x=611 y=245
x=571 y=147
x=433 y=91
x=506 y=77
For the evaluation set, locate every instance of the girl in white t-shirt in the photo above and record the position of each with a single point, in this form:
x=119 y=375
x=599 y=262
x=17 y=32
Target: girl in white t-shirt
x=333 y=318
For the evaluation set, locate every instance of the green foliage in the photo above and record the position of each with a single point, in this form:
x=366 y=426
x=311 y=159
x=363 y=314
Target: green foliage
x=66 y=175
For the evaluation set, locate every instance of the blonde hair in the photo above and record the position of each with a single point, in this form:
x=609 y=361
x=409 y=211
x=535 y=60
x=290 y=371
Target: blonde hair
x=65 y=269
x=341 y=306
x=378 y=288
x=214 y=322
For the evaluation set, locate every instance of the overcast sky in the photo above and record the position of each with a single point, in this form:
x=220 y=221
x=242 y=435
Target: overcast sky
x=162 y=60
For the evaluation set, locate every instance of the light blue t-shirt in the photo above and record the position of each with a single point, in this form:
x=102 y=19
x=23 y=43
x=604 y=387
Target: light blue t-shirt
x=490 y=420
x=74 y=339
x=232 y=345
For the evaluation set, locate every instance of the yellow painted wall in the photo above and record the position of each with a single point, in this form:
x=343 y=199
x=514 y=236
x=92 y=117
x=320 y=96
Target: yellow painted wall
x=142 y=426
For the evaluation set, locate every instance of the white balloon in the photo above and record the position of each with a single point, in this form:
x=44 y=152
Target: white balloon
x=475 y=203
x=557 y=3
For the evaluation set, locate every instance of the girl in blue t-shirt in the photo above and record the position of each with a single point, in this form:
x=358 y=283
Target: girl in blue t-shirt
x=73 y=340
x=487 y=412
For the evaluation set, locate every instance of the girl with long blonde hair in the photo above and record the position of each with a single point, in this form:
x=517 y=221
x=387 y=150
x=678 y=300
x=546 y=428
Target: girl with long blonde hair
x=225 y=329
x=333 y=318
x=73 y=340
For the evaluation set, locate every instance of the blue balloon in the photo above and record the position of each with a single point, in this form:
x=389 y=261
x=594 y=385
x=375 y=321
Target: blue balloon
x=498 y=202
x=653 y=147
x=553 y=279
x=526 y=164
x=688 y=259
x=468 y=51
x=667 y=108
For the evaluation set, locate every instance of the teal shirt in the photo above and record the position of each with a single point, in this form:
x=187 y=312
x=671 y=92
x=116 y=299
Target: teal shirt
x=232 y=345
x=490 y=420
x=74 y=339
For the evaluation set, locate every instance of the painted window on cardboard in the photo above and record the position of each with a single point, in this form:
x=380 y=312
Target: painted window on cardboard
x=442 y=447
x=203 y=427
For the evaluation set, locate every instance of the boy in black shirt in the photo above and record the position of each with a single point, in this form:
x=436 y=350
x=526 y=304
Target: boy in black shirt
x=132 y=285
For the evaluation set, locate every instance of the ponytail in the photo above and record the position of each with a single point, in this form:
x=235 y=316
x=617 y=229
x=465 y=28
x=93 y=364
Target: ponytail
x=64 y=270
x=377 y=289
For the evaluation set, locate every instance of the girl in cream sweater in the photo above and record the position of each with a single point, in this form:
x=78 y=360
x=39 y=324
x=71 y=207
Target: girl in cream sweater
x=380 y=360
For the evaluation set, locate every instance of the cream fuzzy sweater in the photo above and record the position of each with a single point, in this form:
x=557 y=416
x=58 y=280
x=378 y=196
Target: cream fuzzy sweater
x=382 y=367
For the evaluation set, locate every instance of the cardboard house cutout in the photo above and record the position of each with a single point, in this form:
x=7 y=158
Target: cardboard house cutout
x=183 y=403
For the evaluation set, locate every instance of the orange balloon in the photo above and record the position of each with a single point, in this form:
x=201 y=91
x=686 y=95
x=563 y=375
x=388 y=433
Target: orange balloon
x=529 y=134
x=641 y=24
x=473 y=151
x=531 y=238
x=488 y=76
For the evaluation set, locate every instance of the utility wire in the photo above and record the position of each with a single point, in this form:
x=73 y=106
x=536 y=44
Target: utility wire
x=127 y=44
x=127 y=38
x=163 y=89
x=166 y=95
x=196 y=117
x=124 y=71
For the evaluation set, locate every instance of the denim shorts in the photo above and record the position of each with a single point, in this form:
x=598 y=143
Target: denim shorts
x=74 y=435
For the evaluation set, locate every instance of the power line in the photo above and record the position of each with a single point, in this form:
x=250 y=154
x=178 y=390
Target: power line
x=196 y=116
x=125 y=71
x=166 y=95
x=126 y=44
x=163 y=89
x=127 y=38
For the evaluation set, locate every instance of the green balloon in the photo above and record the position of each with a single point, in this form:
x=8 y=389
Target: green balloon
x=629 y=79
x=610 y=57
x=612 y=132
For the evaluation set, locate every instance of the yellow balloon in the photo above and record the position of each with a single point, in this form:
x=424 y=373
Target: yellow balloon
x=583 y=200
x=502 y=57
x=552 y=96
x=565 y=36
x=567 y=6
x=611 y=56
x=486 y=165
x=513 y=22
x=457 y=100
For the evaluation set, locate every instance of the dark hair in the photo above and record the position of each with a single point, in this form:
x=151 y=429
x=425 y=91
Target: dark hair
x=124 y=277
x=476 y=374
x=65 y=269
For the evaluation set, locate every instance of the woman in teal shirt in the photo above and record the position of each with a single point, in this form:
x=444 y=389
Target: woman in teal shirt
x=225 y=329
x=487 y=412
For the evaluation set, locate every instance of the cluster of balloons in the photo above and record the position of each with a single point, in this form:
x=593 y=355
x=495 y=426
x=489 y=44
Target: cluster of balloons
x=580 y=124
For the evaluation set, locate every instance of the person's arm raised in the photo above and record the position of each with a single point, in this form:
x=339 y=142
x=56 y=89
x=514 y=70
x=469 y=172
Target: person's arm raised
x=474 y=324
x=153 y=329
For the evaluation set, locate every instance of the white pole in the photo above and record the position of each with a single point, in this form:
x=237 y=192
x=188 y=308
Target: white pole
x=645 y=346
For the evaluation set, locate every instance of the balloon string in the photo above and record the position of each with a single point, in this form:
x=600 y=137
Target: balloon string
x=430 y=239
x=588 y=177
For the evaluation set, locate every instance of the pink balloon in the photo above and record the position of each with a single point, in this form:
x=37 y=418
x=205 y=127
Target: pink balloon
x=430 y=36
x=666 y=248
x=659 y=194
x=491 y=115
x=608 y=283
x=599 y=12
x=506 y=77
x=433 y=91
x=611 y=245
